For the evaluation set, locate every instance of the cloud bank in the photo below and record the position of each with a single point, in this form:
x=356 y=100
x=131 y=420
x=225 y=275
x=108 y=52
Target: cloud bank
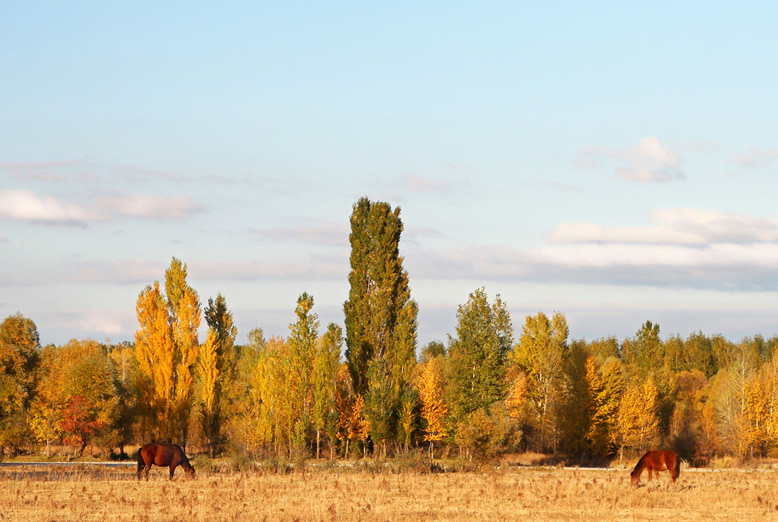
x=25 y=205
x=647 y=162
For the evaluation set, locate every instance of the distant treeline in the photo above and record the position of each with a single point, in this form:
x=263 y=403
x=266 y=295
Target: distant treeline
x=332 y=394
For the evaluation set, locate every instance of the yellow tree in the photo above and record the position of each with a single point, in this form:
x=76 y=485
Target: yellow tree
x=344 y=400
x=638 y=417
x=358 y=426
x=433 y=408
x=209 y=374
x=266 y=392
x=759 y=418
x=166 y=347
x=186 y=322
x=516 y=400
x=155 y=353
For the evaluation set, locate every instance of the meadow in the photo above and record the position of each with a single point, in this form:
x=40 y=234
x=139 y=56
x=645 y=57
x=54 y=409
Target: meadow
x=30 y=493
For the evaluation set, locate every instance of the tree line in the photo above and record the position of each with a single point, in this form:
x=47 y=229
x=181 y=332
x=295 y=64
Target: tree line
x=328 y=393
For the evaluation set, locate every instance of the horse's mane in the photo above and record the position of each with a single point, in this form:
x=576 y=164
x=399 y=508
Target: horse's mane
x=638 y=466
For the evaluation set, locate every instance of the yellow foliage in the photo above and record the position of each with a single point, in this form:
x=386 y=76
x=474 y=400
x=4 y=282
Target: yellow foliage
x=638 y=419
x=433 y=408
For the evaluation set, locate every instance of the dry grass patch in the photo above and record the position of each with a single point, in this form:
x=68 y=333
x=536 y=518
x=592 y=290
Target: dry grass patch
x=28 y=494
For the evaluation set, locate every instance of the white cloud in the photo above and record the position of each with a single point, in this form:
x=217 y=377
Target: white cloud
x=426 y=185
x=331 y=234
x=649 y=161
x=149 y=206
x=26 y=206
x=683 y=248
x=650 y=150
x=689 y=226
x=756 y=158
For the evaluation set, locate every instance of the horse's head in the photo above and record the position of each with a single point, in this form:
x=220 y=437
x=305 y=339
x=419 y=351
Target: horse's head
x=190 y=472
x=634 y=478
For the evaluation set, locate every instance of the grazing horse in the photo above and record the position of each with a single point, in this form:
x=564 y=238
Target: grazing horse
x=163 y=455
x=656 y=461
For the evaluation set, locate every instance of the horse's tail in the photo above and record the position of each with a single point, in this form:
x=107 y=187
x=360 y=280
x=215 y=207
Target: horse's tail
x=677 y=467
x=141 y=463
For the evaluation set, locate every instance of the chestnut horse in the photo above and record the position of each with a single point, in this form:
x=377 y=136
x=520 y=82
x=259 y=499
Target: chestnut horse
x=163 y=455
x=656 y=461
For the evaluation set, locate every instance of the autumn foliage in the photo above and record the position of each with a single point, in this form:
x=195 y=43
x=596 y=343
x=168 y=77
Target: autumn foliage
x=491 y=389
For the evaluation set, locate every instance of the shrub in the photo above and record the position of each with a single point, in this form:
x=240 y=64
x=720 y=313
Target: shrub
x=488 y=432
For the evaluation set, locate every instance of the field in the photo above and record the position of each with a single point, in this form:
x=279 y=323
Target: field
x=336 y=494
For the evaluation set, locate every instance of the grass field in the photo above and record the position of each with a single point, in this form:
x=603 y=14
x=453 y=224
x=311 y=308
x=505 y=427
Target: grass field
x=45 y=494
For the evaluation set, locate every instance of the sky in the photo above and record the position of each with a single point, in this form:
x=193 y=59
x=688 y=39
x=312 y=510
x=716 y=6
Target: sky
x=613 y=161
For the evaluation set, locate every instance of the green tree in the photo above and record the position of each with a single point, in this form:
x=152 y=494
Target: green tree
x=19 y=355
x=379 y=403
x=644 y=354
x=219 y=320
x=300 y=375
x=380 y=316
x=541 y=353
x=478 y=355
x=325 y=415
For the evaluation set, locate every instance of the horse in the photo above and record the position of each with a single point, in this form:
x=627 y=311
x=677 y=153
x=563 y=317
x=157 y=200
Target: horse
x=656 y=461
x=163 y=455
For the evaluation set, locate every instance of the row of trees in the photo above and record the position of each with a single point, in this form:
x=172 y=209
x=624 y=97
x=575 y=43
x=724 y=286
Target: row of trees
x=334 y=393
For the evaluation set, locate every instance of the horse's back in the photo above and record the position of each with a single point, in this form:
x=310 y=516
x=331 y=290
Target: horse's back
x=161 y=454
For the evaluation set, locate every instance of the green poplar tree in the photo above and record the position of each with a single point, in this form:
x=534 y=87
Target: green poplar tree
x=478 y=355
x=301 y=378
x=325 y=413
x=219 y=320
x=380 y=316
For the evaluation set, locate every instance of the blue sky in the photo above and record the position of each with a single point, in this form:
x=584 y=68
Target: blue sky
x=614 y=161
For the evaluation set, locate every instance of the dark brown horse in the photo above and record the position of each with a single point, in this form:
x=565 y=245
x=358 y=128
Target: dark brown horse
x=656 y=461
x=163 y=455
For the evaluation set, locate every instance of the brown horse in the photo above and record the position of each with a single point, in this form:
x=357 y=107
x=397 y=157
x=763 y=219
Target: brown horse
x=163 y=455
x=656 y=461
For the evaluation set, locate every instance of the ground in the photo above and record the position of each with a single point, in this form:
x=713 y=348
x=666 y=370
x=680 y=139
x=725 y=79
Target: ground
x=37 y=493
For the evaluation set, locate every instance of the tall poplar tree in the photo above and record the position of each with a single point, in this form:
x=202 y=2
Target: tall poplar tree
x=219 y=320
x=325 y=414
x=167 y=347
x=380 y=315
x=300 y=379
x=208 y=370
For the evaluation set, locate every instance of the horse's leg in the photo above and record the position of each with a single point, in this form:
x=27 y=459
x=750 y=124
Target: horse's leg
x=146 y=471
x=172 y=470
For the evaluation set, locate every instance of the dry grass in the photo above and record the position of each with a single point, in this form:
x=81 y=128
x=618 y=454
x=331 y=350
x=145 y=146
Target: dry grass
x=28 y=494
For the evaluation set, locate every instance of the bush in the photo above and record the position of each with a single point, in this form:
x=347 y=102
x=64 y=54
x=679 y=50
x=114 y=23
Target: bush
x=489 y=432
x=203 y=463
